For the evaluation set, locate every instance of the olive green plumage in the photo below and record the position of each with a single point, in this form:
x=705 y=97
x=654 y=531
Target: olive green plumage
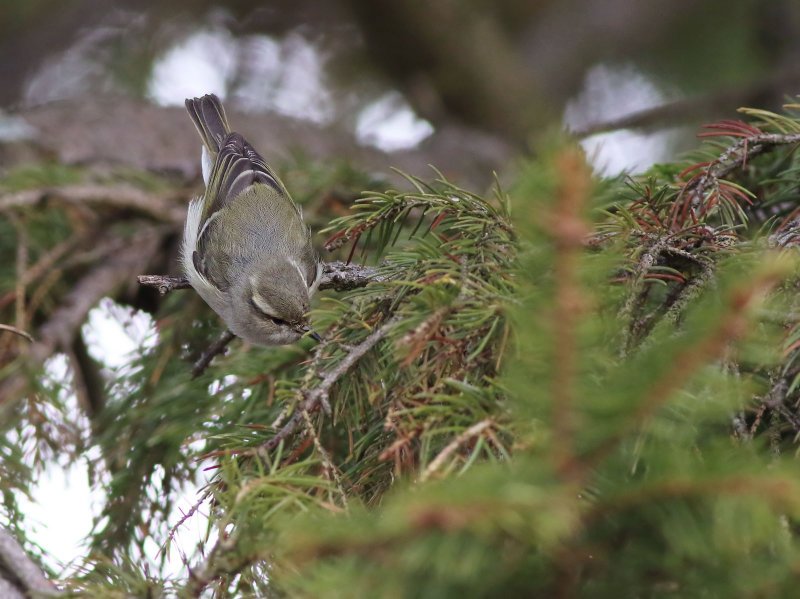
x=246 y=249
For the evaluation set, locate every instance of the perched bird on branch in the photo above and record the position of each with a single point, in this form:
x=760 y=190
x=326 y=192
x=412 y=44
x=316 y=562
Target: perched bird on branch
x=246 y=249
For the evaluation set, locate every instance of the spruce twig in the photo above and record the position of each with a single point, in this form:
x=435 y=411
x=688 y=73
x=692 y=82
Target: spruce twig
x=315 y=397
x=569 y=231
x=729 y=328
x=338 y=276
x=437 y=462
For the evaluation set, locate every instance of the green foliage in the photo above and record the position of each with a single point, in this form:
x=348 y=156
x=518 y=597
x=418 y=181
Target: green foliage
x=594 y=398
x=624 y=481
x=405 y=409
x=26 y=177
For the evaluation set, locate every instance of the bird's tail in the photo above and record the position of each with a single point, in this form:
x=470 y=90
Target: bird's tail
x=209 y=119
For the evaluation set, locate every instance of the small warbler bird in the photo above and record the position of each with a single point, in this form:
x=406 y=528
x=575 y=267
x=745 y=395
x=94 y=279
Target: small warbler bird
x=246 y=249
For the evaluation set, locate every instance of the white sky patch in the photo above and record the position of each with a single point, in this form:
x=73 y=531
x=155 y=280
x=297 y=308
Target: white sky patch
x=200 y=64
x=287 y=77
x=389 y=124
x=612 y=92
x=628 y=151
x=115 y=333
x=229 y=380
x=60 y=515
x=60 y=489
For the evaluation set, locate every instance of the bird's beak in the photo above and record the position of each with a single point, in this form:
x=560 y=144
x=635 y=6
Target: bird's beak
x=305 y=329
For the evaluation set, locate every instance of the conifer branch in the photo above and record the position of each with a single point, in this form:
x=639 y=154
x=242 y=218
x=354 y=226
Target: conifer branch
x=569 y=230
x=214 y=566
x=473 y=431
x=315 y=397
x=186 y=516
x=707 y=186
x=730 y=327
x=637 y=295
x=338 y=276
x=776 y=489
x=45 y=264
x=741 y=152
x=326 y=457
x=59 y=329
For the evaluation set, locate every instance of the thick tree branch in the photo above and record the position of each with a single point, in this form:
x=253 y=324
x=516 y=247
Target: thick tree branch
x=79 y=131
x=60 y=328
x=19 y=575
x=685 y=110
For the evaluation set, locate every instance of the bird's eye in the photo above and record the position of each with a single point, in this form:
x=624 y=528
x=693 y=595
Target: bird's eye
x=275 y=319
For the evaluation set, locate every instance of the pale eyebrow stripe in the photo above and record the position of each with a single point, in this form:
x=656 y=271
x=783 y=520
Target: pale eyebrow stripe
x=263 y=305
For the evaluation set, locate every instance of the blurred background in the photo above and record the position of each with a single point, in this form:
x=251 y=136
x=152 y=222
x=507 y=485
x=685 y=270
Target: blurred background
x=468 y=83
x=335 y=93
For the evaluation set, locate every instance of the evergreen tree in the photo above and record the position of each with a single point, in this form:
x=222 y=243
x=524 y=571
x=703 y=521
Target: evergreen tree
x=573 y=387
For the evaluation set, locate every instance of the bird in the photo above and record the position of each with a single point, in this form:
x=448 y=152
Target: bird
x=246 y=249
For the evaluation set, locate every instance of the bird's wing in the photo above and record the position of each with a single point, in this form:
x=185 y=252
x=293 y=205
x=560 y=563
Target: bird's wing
x=237 y=167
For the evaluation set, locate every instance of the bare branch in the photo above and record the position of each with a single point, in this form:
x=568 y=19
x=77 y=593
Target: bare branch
x=214 y=350
x=341 y=276
x=164 y=283
x=338 y=276
x=169 y=207
x=15 y=330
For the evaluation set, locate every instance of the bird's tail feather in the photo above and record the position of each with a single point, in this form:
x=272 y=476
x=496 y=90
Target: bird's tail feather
x=209 y=119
